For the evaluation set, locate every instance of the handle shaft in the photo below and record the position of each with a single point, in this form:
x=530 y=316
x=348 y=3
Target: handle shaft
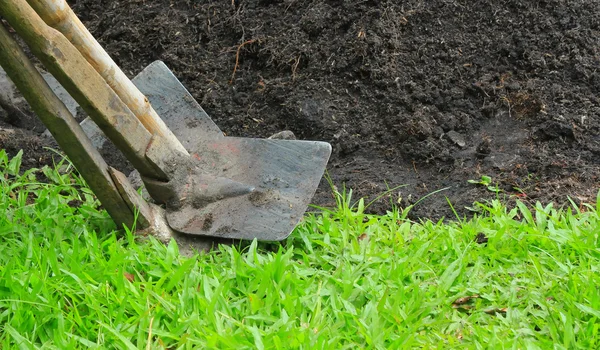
x=86 y=86
x=63 y=127
x=58 y=14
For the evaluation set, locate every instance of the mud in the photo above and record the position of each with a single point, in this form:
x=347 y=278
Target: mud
x=423 y=94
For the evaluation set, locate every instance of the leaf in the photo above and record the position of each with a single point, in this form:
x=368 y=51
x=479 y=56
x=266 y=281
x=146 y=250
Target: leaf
x=15 y=164
x=128 y=344
x=349 y=307
x=361 y=206
x=486 y=180
x=4 y=158
x=381 y=304
x=588 y=310
x=526 y=213
x=256 y=302
x=450 y=274
x=177 y=276
x=87 y=343
x=257 y=338
x=23 y=342
x=494 y=188
x=172 y=253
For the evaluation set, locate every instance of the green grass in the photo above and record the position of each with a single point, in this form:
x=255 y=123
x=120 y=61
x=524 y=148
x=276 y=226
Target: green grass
x=342 y=280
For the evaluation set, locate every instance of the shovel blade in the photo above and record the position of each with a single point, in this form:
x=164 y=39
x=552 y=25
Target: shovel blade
x=176 y=106
x=284 y=174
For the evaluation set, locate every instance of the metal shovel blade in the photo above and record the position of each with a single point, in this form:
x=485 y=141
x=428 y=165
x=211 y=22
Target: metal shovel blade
x=284 y=174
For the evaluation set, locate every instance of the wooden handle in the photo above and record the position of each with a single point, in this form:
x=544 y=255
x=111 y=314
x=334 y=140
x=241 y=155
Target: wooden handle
x=63 y=127
x=58 y=14
x=86 y=86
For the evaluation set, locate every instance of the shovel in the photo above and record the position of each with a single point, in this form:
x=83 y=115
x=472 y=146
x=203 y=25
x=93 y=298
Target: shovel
x=209 y=185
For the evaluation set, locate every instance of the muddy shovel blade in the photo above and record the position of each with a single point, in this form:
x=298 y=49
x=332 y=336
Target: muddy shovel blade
x=282 y=174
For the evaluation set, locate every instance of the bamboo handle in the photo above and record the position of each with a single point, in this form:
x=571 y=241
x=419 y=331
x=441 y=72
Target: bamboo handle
x=86 y=86
x=58 y=14
x=63 y=127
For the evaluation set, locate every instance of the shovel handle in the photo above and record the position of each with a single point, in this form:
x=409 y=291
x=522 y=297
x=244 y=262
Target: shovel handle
x=58 y=15
x=86 y=86
x=63 y=127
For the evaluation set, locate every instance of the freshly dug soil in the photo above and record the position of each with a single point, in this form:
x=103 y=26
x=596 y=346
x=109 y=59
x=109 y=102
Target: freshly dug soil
x=423 y=94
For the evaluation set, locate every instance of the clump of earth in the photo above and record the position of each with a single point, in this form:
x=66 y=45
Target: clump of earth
x=423 y=95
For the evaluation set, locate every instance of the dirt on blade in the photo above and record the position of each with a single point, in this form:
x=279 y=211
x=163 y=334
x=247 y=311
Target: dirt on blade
x=427 y=94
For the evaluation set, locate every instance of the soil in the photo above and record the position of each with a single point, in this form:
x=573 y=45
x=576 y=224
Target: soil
x=423 y=94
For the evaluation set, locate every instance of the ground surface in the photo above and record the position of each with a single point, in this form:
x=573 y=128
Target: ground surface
x=427 y=94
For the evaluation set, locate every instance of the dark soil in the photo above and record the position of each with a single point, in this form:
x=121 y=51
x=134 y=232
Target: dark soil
x=426 y=94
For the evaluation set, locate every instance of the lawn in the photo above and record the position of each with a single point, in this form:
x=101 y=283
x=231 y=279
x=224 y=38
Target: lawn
x=518 y=278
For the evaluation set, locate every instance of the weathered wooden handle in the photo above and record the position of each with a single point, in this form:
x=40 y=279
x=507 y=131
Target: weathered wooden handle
x=64 y=127
x=86 y=86
x=58 y=14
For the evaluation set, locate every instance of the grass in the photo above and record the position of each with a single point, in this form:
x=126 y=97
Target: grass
x=343 y=279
